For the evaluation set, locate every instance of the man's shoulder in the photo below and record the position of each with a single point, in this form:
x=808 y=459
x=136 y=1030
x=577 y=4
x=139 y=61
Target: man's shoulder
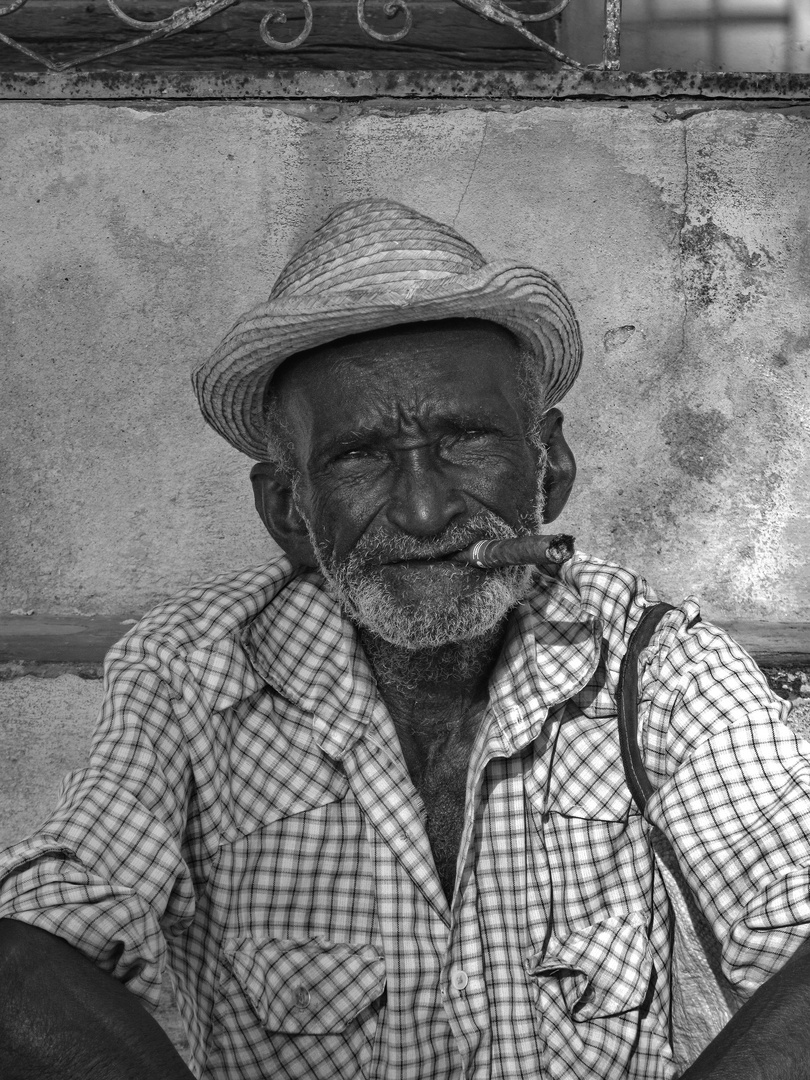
x=617 y=597
x=207 y=612
x=683 y=642
x=613 y=594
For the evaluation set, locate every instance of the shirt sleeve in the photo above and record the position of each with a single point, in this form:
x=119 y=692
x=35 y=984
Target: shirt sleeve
x=733 y=792
x=106 y=872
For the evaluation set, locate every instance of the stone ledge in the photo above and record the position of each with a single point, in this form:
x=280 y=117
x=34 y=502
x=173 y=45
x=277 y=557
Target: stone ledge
x=60 y=639
x=335 y=85
x=783 y=644
x=50 y=645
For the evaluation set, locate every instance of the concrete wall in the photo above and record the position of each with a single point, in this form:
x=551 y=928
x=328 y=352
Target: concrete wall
x=133 y=237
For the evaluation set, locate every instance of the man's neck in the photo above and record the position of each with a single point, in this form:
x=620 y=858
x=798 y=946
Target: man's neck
x=437 y=699
x=427 y=688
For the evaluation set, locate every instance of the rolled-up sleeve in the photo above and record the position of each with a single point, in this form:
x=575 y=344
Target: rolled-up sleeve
x=107 y=871
x=733 y=792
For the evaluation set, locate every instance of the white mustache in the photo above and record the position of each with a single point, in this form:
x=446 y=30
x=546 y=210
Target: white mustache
x=381 y=547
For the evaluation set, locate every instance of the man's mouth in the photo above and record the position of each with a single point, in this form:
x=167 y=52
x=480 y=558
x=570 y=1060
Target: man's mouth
x=433 y=557
x=377 y=551
x=447 y=558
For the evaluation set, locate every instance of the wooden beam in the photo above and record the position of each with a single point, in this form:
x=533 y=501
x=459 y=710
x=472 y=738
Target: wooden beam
x=444 y=36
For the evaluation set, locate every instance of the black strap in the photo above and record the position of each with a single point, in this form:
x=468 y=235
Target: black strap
x=627 y=704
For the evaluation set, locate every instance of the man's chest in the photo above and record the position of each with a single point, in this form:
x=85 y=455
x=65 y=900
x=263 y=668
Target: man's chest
x=438 y=763
x=311 y=841
x=443 y=789
x=348 y=865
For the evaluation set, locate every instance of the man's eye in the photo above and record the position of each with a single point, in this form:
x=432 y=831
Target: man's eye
x=357 y=453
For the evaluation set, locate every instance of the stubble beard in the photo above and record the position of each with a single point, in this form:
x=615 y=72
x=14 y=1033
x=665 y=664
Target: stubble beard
x=463 y=605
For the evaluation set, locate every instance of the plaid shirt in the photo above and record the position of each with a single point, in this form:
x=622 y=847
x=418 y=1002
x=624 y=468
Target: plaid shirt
x=247 y=818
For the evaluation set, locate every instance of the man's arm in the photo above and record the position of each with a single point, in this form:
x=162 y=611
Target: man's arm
x=61 y=1018
x=769 y=1038
x=733 y=796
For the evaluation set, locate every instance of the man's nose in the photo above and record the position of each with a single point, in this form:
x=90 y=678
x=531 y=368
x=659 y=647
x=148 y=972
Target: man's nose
x=425 y=497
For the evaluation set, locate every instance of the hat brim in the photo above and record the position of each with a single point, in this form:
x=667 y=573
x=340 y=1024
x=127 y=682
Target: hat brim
x=230 y=385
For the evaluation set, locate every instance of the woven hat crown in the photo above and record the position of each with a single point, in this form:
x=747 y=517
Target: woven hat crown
x=374 y=264
x=375 y=244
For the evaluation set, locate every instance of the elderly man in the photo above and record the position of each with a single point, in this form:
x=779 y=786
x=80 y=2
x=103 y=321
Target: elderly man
x=367 y=804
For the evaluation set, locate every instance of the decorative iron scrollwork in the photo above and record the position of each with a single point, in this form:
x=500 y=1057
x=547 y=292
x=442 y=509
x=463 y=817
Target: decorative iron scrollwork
x=182 y=19
x=139 y=24
x=392 y=8
x=277 y=15
x=12 y=7
x=550 y=14
x=492 y=10
x=497 y=11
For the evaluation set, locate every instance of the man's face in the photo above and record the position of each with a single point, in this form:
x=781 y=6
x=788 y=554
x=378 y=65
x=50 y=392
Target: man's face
x=411 y=444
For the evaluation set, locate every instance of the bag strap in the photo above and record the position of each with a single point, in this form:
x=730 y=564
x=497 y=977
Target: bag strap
x=697 y=960
x=638 y=781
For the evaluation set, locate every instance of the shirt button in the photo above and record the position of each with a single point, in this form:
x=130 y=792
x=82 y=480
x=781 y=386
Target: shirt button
x=458 y=978
x=302 y=997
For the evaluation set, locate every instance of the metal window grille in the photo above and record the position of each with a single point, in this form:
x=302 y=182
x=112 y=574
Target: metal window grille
x=282 y=31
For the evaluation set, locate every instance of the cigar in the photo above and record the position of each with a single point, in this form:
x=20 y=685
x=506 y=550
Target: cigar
x=546 y=552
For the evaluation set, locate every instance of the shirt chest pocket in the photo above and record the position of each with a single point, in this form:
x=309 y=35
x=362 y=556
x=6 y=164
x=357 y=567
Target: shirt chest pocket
x=599 y=971
x=302 y=1009
x=315 y=987
x=589 y=839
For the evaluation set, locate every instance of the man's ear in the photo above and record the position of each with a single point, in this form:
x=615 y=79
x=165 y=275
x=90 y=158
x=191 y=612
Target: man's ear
x=273 y=496
x=561 y=469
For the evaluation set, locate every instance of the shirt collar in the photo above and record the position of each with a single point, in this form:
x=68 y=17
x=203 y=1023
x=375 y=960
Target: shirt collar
x=302 y=646
x=306 y=650
x=552 y=651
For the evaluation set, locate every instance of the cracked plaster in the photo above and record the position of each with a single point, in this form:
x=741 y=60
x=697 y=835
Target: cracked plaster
x=472 y=170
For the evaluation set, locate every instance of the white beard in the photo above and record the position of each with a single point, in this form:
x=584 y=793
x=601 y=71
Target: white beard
x=447 y=614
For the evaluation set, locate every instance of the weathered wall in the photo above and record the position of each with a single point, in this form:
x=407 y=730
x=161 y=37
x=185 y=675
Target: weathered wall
x=133 y=237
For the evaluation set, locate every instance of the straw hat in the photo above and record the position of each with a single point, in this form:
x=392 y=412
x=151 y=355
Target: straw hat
x=373 y=264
